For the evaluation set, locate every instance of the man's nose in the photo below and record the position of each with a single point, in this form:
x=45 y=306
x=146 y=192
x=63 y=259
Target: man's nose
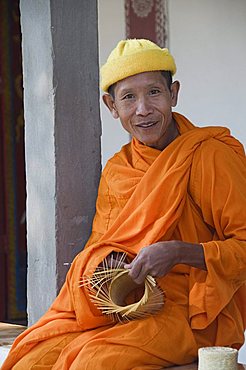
x=143 y=107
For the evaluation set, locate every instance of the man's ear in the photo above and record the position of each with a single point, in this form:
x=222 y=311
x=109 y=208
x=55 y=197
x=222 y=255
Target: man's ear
x=110 y=104
x=174 y=93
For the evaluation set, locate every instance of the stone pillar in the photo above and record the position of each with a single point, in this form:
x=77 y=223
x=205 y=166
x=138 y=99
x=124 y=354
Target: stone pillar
x=62 y=138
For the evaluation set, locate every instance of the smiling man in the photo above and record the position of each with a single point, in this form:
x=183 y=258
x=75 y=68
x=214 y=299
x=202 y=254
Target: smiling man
x=143 y=103
x=174 y=200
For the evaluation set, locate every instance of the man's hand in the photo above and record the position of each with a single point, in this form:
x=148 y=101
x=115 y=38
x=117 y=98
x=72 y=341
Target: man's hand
x=159 y=258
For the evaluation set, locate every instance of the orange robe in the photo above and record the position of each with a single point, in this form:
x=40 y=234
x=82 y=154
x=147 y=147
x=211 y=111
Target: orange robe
x=194 y=190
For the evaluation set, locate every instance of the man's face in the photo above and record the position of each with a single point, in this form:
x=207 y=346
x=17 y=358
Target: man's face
x=143 y=104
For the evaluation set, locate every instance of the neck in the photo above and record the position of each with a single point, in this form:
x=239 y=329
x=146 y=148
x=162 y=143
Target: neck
x=170 y=135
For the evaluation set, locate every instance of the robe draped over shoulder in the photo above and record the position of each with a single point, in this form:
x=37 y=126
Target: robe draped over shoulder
x=195 y=191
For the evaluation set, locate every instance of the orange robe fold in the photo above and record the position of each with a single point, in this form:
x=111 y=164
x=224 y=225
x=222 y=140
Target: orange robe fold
x=194 y=190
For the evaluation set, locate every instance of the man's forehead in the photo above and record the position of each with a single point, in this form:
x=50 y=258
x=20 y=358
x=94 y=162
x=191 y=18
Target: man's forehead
x=144 y=79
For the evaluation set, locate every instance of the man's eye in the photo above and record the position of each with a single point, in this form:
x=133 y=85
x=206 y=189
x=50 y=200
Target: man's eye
x=128 y=96
x=154 y=91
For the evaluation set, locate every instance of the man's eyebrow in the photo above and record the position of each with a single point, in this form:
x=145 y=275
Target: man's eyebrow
x=125 y=90
x=147 y=86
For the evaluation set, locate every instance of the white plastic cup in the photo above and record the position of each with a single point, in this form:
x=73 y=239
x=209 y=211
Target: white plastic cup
x=217 y=358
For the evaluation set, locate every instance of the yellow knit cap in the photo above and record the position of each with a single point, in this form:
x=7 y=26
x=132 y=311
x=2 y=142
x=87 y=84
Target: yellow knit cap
x=134 y=56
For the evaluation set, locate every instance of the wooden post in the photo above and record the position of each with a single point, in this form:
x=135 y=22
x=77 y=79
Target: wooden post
x=62 y=138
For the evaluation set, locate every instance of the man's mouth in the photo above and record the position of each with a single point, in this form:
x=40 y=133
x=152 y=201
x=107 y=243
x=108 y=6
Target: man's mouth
x=146 y=124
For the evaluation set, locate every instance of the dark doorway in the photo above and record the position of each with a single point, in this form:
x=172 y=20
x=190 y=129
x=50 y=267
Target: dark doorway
x=12 y=169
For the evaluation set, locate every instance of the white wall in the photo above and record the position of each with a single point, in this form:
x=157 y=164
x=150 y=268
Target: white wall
x=111 y=23
x=207 y=39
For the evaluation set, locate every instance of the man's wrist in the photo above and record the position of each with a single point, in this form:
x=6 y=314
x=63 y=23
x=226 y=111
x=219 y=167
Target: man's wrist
x=191 y=254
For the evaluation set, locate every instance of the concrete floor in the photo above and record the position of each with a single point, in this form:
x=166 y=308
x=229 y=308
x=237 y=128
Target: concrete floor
x=8 y=333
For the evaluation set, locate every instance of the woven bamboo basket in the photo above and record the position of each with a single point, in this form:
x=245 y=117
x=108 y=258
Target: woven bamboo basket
x=113 y=291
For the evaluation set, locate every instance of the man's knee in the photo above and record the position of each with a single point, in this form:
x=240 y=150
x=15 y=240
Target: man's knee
x=45 y=353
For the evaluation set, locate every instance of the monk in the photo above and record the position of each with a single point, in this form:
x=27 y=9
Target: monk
x=174 y=200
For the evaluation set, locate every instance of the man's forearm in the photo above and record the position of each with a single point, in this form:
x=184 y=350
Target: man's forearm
x=191 y=254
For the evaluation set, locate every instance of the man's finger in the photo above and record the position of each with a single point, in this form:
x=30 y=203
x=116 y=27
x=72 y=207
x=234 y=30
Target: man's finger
x=136 y=272
x=141 y=276
x=128 y=266
x=131 y=264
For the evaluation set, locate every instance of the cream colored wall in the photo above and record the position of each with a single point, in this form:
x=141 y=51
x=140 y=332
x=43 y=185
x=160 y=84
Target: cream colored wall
x=111 y=23
x=207 y=39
